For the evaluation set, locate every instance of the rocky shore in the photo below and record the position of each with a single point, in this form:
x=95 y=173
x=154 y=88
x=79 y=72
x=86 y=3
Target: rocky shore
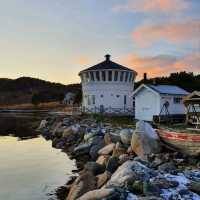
x=114 y=162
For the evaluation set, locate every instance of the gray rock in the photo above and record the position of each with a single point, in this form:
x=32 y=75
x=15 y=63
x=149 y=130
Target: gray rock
x=128 y=172
x=150 y=189
x=94 y=167
x=167 y=167
x=95 y=148
x=112 y=164
x=82 y=149
x=126 y=135
x=195 y=187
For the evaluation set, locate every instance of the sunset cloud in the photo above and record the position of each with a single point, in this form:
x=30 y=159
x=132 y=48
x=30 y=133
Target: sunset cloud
x=82 y=60
x=152 y=6
x=163 y=65
x=177 y=32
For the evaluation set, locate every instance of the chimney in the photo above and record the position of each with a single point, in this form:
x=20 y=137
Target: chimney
x=145 y=77
x=107 y=56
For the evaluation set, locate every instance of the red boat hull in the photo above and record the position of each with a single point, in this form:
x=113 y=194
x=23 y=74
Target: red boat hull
x=188 y=143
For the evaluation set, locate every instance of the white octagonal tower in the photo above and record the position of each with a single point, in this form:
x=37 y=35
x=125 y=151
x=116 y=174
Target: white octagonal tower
x=107 y=87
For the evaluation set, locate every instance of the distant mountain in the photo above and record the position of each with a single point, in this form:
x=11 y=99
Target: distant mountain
x=185 y=80
x=20 y=90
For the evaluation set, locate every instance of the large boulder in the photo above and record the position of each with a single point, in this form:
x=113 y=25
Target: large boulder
x=84 y=183
x=145 y=140
x=108 y=194
x=82 y=149
x=108 y=149
x=112 y=164
x=126 y=135
x=128 y=172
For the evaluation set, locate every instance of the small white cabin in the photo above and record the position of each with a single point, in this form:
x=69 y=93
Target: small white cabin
x=153 y=100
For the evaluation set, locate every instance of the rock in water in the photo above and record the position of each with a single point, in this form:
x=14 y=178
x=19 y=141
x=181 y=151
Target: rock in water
x=126 y=135
x=84 y=183
x=145 y=140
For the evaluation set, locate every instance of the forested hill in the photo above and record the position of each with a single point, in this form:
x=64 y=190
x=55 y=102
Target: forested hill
x=20 y=90
x=185 y=80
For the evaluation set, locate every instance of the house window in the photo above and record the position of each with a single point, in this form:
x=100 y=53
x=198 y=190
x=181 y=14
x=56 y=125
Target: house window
x=117 y=95
x=97 y=76
x=88 y=98
x=177 y=100
x=121 y=76
x=116 y=75
x=110 y=76
x=103 y=75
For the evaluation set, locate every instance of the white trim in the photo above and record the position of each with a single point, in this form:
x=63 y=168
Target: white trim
x=145 y=86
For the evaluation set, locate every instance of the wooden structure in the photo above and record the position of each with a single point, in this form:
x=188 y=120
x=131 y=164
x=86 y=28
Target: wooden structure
x=192 y=104
x=187 y=143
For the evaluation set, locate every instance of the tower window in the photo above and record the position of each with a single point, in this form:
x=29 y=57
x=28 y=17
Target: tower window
x=92 y=76
x=116 y=75
x=87 y=77
x=131 y=77
x=121 y=76
x=126 y=78
x=110 y=76
x=97 y=76
x=103 y=75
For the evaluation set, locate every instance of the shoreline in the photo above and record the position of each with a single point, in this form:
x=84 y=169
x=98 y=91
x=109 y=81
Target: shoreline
x=103 y=154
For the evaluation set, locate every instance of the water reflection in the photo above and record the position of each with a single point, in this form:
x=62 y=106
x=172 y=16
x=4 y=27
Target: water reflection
x=30 y=169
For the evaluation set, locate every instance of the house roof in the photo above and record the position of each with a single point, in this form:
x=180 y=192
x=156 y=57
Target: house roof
x=164 y=89
x=106 y=65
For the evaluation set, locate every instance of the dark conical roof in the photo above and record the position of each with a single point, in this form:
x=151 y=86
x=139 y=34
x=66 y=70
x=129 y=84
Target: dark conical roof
x=106 y=65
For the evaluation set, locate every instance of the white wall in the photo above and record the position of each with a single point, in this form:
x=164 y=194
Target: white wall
x=174 y=108
x=109 y=94
x=147 y=104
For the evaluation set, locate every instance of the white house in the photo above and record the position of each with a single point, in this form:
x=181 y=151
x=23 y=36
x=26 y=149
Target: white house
x=69 y=98
x=108 y=87
x=153 y=100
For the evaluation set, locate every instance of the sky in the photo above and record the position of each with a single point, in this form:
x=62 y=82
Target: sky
x=55 y=39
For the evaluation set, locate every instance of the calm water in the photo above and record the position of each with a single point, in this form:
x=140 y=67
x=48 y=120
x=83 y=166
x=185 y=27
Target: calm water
x=30 y=169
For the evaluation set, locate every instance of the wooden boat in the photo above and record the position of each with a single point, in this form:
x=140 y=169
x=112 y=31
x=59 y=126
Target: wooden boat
x=185 y=142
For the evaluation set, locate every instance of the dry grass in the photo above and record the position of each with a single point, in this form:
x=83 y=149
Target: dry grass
x=28 y=106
